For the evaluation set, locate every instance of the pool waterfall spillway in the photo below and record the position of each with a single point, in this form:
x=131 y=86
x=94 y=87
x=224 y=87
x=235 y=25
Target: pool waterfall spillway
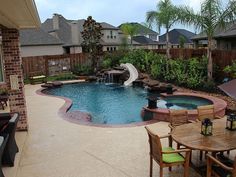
x=133 y=73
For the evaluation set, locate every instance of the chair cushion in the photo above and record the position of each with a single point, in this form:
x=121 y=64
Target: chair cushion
x=173 y=157
x=220 y=171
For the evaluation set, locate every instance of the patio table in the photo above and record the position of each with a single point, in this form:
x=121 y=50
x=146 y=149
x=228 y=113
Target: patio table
x=190 y=136
x=221 y=139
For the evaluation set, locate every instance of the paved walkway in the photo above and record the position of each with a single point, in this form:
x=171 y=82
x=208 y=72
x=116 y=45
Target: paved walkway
x=54 y=147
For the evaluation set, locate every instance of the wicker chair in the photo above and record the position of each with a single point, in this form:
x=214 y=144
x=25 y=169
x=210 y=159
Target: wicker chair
x=217 y=168
x=11 y=147
x=166 y=156
x=3 y=141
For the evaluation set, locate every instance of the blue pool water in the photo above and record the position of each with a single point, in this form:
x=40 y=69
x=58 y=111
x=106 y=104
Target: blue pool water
x=115 y=104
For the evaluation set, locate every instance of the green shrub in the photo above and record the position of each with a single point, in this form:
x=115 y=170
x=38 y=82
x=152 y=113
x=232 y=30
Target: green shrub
x=66 y=76
x=3 y=91
x=231 y=69
x=112 y=59
x=191 y=73
x=82 y=70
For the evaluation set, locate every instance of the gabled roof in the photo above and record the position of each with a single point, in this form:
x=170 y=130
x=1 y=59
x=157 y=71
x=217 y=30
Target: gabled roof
x=142 y=30
x=31 y=37
x=175 y=34
x=108 y=26
x=143 y=40
x=230 y=31
x=64 y=31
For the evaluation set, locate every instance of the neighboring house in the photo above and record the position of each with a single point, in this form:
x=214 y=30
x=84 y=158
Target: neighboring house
x=36 y=42
x=174 y=39
x=145 y=38
x=110 y=39
x=69 y=32
x=223 y=39
x=15 y=15
x=142 y=42
x=144 y=31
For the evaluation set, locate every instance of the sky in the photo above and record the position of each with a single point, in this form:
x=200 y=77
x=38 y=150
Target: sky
x=110 y=11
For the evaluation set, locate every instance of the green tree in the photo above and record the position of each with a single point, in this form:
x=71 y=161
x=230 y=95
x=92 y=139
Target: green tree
x=213 y=15
x=92 y=35
x=182 y=41
x=130 y=30
x=166 y=15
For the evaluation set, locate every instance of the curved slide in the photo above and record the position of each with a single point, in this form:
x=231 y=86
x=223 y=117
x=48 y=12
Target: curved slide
x=133 y=73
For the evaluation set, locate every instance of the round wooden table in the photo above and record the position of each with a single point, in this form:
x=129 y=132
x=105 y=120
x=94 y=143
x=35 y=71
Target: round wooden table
x=189 y=135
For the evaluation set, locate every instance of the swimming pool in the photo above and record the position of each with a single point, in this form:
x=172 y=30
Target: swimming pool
x=115 y=104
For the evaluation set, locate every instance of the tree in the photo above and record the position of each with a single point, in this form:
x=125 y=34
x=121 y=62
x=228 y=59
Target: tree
x=92 y=35
x=166 y=15
x=182 y=41
x=212 y=16
x=130 y=30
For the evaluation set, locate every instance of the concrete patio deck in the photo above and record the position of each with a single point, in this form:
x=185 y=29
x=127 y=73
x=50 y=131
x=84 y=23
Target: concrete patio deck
x=54 y=147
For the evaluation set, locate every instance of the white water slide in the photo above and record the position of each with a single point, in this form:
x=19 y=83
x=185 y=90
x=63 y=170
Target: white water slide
x=133 y=73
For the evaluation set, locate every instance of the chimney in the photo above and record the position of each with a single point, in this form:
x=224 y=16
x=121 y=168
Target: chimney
x=75 y=32
x=55 y=21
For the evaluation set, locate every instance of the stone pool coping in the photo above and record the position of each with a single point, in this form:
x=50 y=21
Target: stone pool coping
x=219 y=106
x=82 y=118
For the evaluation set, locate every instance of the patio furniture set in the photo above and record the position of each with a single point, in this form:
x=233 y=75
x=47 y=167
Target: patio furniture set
x=8 y=146
x=188 y=137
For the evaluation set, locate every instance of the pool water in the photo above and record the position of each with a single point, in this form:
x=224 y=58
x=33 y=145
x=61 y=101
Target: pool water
x=115 y=104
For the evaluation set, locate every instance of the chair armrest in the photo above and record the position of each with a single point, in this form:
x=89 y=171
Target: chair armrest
x=165 y=136
x=171 y=127
x=218 y=117
x=211 y=158
x=176 y=151
x=192 y=121
x=5 y=116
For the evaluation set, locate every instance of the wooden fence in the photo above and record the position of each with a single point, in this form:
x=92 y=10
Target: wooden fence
x=221 y=58
x=51 y=65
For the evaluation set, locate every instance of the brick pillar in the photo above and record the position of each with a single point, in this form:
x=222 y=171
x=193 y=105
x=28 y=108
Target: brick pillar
x=12 y=63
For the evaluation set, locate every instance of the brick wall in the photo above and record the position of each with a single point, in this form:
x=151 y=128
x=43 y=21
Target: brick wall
x=12 y=63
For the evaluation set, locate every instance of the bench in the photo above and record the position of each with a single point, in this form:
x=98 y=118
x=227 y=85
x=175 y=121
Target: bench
x=38 y=79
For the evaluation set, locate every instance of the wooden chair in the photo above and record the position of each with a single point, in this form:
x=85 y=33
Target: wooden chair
x=219 y=169
x=176 y=118
x=206 y=111
x=166 y=156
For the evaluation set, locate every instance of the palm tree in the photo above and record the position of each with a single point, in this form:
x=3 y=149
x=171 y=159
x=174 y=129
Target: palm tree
x=211 y=17
x=130 y=30
x=165 y=16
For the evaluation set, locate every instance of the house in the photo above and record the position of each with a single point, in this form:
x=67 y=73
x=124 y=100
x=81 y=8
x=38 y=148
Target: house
x=144 y=31
x=222 y=39
x=15 y=15
x=143 y=42
x=37 y=42
x=69 y=32
x=175 y=37
x=144 y=38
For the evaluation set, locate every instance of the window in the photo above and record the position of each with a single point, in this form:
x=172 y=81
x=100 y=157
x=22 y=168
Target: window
x=107 y=48
x=114 y=48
